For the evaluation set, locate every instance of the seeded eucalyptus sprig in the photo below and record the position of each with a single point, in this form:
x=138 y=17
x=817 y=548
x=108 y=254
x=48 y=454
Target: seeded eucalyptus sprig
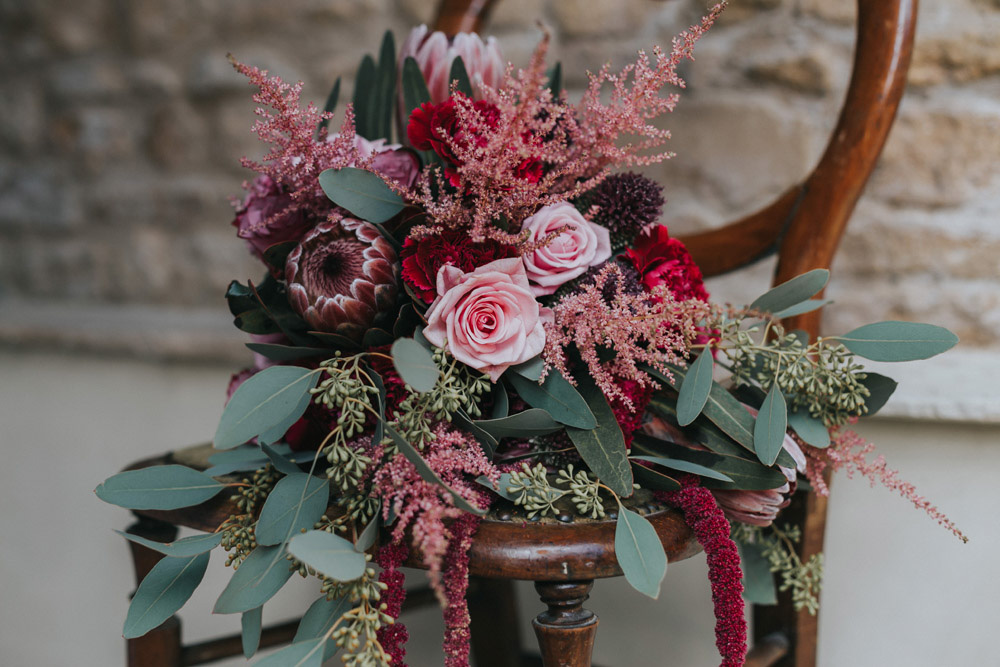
x=536 y=494
x=777 y=545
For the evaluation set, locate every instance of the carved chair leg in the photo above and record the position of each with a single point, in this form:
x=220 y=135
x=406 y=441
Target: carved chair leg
x=566 y=630
x=160 y=647
x=496 y=633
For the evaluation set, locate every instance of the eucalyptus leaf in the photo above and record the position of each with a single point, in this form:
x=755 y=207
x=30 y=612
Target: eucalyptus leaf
x=426 y=472
x=652 y=478
x=639 y=552
x=258 y=578
x=811 y=429
x=461 y=76
x=320 y=617
x=308 y=653
x=695 y=388
x=277 y=352
x=603 y=448
x=367 y=537
x=165 y=487
x=415 y=364
x=758 y=580
x=297 y=501
x=684 y=466
x=898 y=341
x=250 y=627
x=501 y=402
x=557 y=397
x=802 y=308
x=501 y=488
x=488 y=443
x=362 y=193
x=163 y=591
x=880 y=389
x=526 y=424
x=750 y=475
x=330 y=555
x=182 y=548
x=792 y=292
x=265 y=401
x=376 y=337
x=280 y=463
x=530 y=369
x=770 y=427
x=278 y=431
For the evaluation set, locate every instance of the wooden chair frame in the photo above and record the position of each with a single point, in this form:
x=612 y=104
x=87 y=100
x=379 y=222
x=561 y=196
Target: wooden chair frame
x=803 y=227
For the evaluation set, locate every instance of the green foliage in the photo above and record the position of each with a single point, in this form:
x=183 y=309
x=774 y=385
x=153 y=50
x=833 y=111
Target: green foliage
x=531 y=369
x=684 y=466
x=163 y=591
x=331 y=103
x=537 y=491
x=265 y=406
x=165 y=487
x=460 y=76
x=258 y=578
x=364 y=99
x=330 y=555
x=250 y=627
x=557 y=397
x=603 y=448
x=320 y=617
x=361 y=192
x=695 y=388
x=792 y=292
x=265 y=309
x=529 y=423
x=777 y=547
x=182 y=548
x=415 y=364
x=286 y=352
x=307 y=653
x=770 y=426
x=554 y=75
x=898 y=341
x=758 y=581
x=746 y=474
x=295 y=503
x=639 y=552
x=384 y=93
x=880 y=389
x=812 y=430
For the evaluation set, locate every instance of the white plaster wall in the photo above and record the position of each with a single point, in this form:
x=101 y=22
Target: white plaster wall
x=900 y=590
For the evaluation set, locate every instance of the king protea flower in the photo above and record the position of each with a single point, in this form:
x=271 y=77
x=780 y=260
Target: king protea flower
x=342 y=276
x=434 y=52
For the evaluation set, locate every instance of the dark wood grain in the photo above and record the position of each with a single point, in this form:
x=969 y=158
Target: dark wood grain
x=455 y=16
x=566 y=630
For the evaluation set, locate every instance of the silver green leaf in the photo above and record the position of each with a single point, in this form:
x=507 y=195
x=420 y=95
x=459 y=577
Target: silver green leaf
x=526 y=424
x=250 y=627
x=684 y=466
x=320 y=617
x=268 y=399
x=603 y=448
x=812 y=430
x=640 y=552
x=530 y=369
x=557 y=397
x=258 y=578
x=770 y=427
x=328 y=554
x=184 y=547
x=415 y=364
x=793 y=292
x=361 y=192
x=308 y=653
x=165 y=487
x=880 y=389
x=163 y=591
x=297 y=501
x=695 y=388
x=898 y=341
x=758 y=580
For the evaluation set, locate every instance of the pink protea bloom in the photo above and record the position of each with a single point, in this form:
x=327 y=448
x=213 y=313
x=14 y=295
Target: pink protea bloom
x=487 y=318
x=575 y=245
x=434 y=52
x=341 y=276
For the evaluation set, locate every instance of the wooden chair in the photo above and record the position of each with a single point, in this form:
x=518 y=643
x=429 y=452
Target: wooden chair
x=564 y=557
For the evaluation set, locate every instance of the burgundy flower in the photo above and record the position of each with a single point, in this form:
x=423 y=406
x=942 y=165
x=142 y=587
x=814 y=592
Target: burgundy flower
x=662 y=260
x=627 y=203
x=341 y=276
x=433 y=126
x=422 y=258
x=268 y=215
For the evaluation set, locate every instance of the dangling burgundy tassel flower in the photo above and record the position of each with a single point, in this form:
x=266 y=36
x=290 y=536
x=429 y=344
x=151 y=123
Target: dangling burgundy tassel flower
x=456 y=583
x=711 y=528
x=393 y=637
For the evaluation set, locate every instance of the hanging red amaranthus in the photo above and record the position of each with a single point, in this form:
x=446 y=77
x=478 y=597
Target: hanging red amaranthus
x=393 y=637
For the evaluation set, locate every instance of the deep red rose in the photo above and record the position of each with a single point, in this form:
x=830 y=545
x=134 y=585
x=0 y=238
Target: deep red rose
x=432 y=125
x=661 y=260
x=423 y=258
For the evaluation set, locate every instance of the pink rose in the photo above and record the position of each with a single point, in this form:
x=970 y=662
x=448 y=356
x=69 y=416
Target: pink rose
x=581 y=245
x=488 y=318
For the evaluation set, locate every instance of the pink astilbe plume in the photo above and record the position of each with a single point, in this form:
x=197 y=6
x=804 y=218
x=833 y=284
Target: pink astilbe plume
x=650 y=328
x=424 y=509
x=634 y=103
x=297 y=155
x=849 y=451
x=710 y=526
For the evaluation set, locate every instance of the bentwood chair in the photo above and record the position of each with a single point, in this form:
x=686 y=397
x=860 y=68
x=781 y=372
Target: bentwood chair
x=803 y=227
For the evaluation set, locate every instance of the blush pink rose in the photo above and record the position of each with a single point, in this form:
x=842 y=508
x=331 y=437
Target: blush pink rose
x=488 y=318
x=581 y=245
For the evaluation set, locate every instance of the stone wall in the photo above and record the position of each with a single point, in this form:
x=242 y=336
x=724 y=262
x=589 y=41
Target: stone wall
x=121 y=126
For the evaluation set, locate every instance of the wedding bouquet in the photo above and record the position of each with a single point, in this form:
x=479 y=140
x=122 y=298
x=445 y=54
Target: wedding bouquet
x=487 y=312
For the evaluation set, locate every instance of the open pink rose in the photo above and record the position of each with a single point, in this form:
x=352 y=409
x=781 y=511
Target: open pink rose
x=488 y=318
x=581 y=245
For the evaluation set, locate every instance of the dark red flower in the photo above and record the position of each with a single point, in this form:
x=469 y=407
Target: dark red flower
x=433 y=126
x=661 y=260
x=423 y=258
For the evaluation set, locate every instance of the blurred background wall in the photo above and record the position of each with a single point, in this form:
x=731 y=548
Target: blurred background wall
x=121 y=127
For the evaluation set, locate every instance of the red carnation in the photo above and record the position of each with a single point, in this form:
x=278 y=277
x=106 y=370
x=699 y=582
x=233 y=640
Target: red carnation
x=434 y=126
x=661 y=260
x=423 y=258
